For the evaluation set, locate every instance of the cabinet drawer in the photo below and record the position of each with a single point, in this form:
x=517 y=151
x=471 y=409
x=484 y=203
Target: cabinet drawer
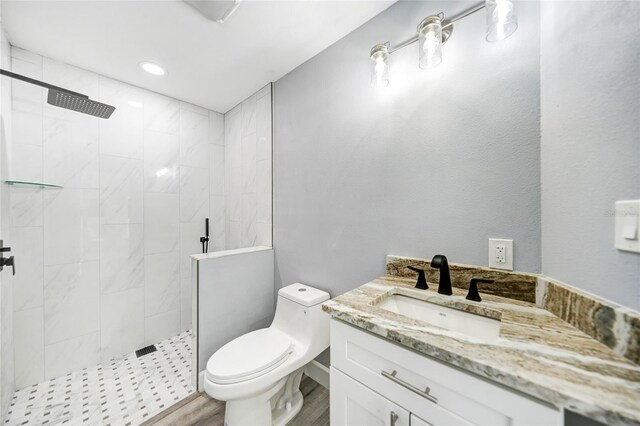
x=353 y=404
x=453 y=397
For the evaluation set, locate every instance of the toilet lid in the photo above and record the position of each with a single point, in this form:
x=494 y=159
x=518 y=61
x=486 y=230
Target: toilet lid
x=248 y=356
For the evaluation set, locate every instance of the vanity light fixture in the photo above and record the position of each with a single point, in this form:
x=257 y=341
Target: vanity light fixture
x=434 y=31
x=380 y=71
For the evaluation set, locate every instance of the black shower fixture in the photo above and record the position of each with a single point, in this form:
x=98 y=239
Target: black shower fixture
x=205 y=240
x=67 y=99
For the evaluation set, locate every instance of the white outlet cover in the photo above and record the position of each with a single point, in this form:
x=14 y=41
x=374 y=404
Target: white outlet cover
x=627 y=229
x=494 y=243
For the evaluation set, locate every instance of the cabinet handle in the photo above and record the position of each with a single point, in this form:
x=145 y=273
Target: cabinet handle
x=423 y=393
x=392 y=418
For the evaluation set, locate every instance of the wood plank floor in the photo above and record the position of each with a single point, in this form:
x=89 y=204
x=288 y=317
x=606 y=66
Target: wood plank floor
x=201 y=410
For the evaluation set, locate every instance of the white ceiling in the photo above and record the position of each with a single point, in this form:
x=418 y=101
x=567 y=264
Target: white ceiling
x=212 y=65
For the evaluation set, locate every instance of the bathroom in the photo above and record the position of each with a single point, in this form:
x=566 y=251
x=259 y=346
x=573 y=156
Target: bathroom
x=373 y=212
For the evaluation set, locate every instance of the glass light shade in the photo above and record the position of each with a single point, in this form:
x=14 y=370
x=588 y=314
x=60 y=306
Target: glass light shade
x=502 y=20
x=380 y=65
x=430 y=42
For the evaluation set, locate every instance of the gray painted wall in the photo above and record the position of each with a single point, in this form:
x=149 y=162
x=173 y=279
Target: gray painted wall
x=437 y=162
x=590 y=103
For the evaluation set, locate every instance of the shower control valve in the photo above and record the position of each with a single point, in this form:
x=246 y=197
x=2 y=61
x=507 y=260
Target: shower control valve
x=6 y=261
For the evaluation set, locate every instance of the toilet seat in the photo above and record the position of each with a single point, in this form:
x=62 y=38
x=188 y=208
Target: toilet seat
x=249 y=356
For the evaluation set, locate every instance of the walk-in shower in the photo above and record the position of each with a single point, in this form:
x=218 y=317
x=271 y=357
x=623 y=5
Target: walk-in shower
x=102 y=217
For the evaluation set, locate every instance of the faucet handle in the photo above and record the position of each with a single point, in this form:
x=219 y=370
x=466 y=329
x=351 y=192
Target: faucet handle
x=473 y=288
x=422 y=281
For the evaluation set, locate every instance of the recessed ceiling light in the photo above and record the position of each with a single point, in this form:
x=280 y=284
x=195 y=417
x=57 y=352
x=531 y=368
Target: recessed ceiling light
x=152 y=68
x=135 y=104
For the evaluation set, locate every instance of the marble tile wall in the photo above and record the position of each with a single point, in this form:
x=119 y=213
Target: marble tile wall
x=103 y=266
x=248 y=172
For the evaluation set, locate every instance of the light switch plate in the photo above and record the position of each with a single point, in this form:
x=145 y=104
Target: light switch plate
x=501 y=254
x=627 y=228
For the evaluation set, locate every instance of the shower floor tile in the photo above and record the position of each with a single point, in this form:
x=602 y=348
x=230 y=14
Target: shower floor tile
x=126 y=391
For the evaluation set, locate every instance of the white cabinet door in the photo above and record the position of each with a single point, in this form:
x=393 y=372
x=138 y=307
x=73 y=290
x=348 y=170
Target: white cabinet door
x=353 y=404
x=417 y=421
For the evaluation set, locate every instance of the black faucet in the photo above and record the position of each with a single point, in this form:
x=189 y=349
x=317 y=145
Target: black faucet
x=439 y=261
x=422 y=281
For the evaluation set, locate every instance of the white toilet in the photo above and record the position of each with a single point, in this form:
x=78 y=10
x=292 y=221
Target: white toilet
x=258 y=374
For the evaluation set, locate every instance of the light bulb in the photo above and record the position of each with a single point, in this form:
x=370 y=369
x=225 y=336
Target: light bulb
x=430 y=42
x=501 y=19
x=503 y=11
x=380 y=70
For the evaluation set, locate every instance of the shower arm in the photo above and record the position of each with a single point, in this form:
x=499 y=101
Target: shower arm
x=39 y=83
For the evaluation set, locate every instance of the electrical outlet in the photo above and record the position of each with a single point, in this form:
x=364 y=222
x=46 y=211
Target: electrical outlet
x=501 y=254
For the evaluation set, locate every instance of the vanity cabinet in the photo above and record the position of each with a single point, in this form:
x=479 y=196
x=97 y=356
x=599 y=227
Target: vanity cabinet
x=375 y=381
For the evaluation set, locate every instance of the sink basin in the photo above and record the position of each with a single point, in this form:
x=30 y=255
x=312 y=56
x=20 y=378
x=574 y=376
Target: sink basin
x=442 y=317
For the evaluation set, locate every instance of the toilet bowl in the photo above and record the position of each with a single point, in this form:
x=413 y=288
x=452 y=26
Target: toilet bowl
x=258 y=374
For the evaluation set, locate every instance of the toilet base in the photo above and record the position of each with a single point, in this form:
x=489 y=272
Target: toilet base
x=282 y=416
x=276 y=406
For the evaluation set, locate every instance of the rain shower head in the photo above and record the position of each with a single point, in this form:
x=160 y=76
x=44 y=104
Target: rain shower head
x=67 y=99
x=79 y=103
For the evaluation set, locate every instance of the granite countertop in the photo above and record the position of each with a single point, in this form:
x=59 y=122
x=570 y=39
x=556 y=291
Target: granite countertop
x=537 y=353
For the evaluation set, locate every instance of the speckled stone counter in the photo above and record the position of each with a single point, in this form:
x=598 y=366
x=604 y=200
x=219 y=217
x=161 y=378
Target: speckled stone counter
x=537 y=353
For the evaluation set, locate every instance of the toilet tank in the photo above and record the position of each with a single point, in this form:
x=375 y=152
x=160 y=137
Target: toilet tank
x=303 y=294
x=299 y=314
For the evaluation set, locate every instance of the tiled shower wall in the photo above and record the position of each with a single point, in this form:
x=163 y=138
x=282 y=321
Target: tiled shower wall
x=248 y=171
x=102 y=265
x=6 y=280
